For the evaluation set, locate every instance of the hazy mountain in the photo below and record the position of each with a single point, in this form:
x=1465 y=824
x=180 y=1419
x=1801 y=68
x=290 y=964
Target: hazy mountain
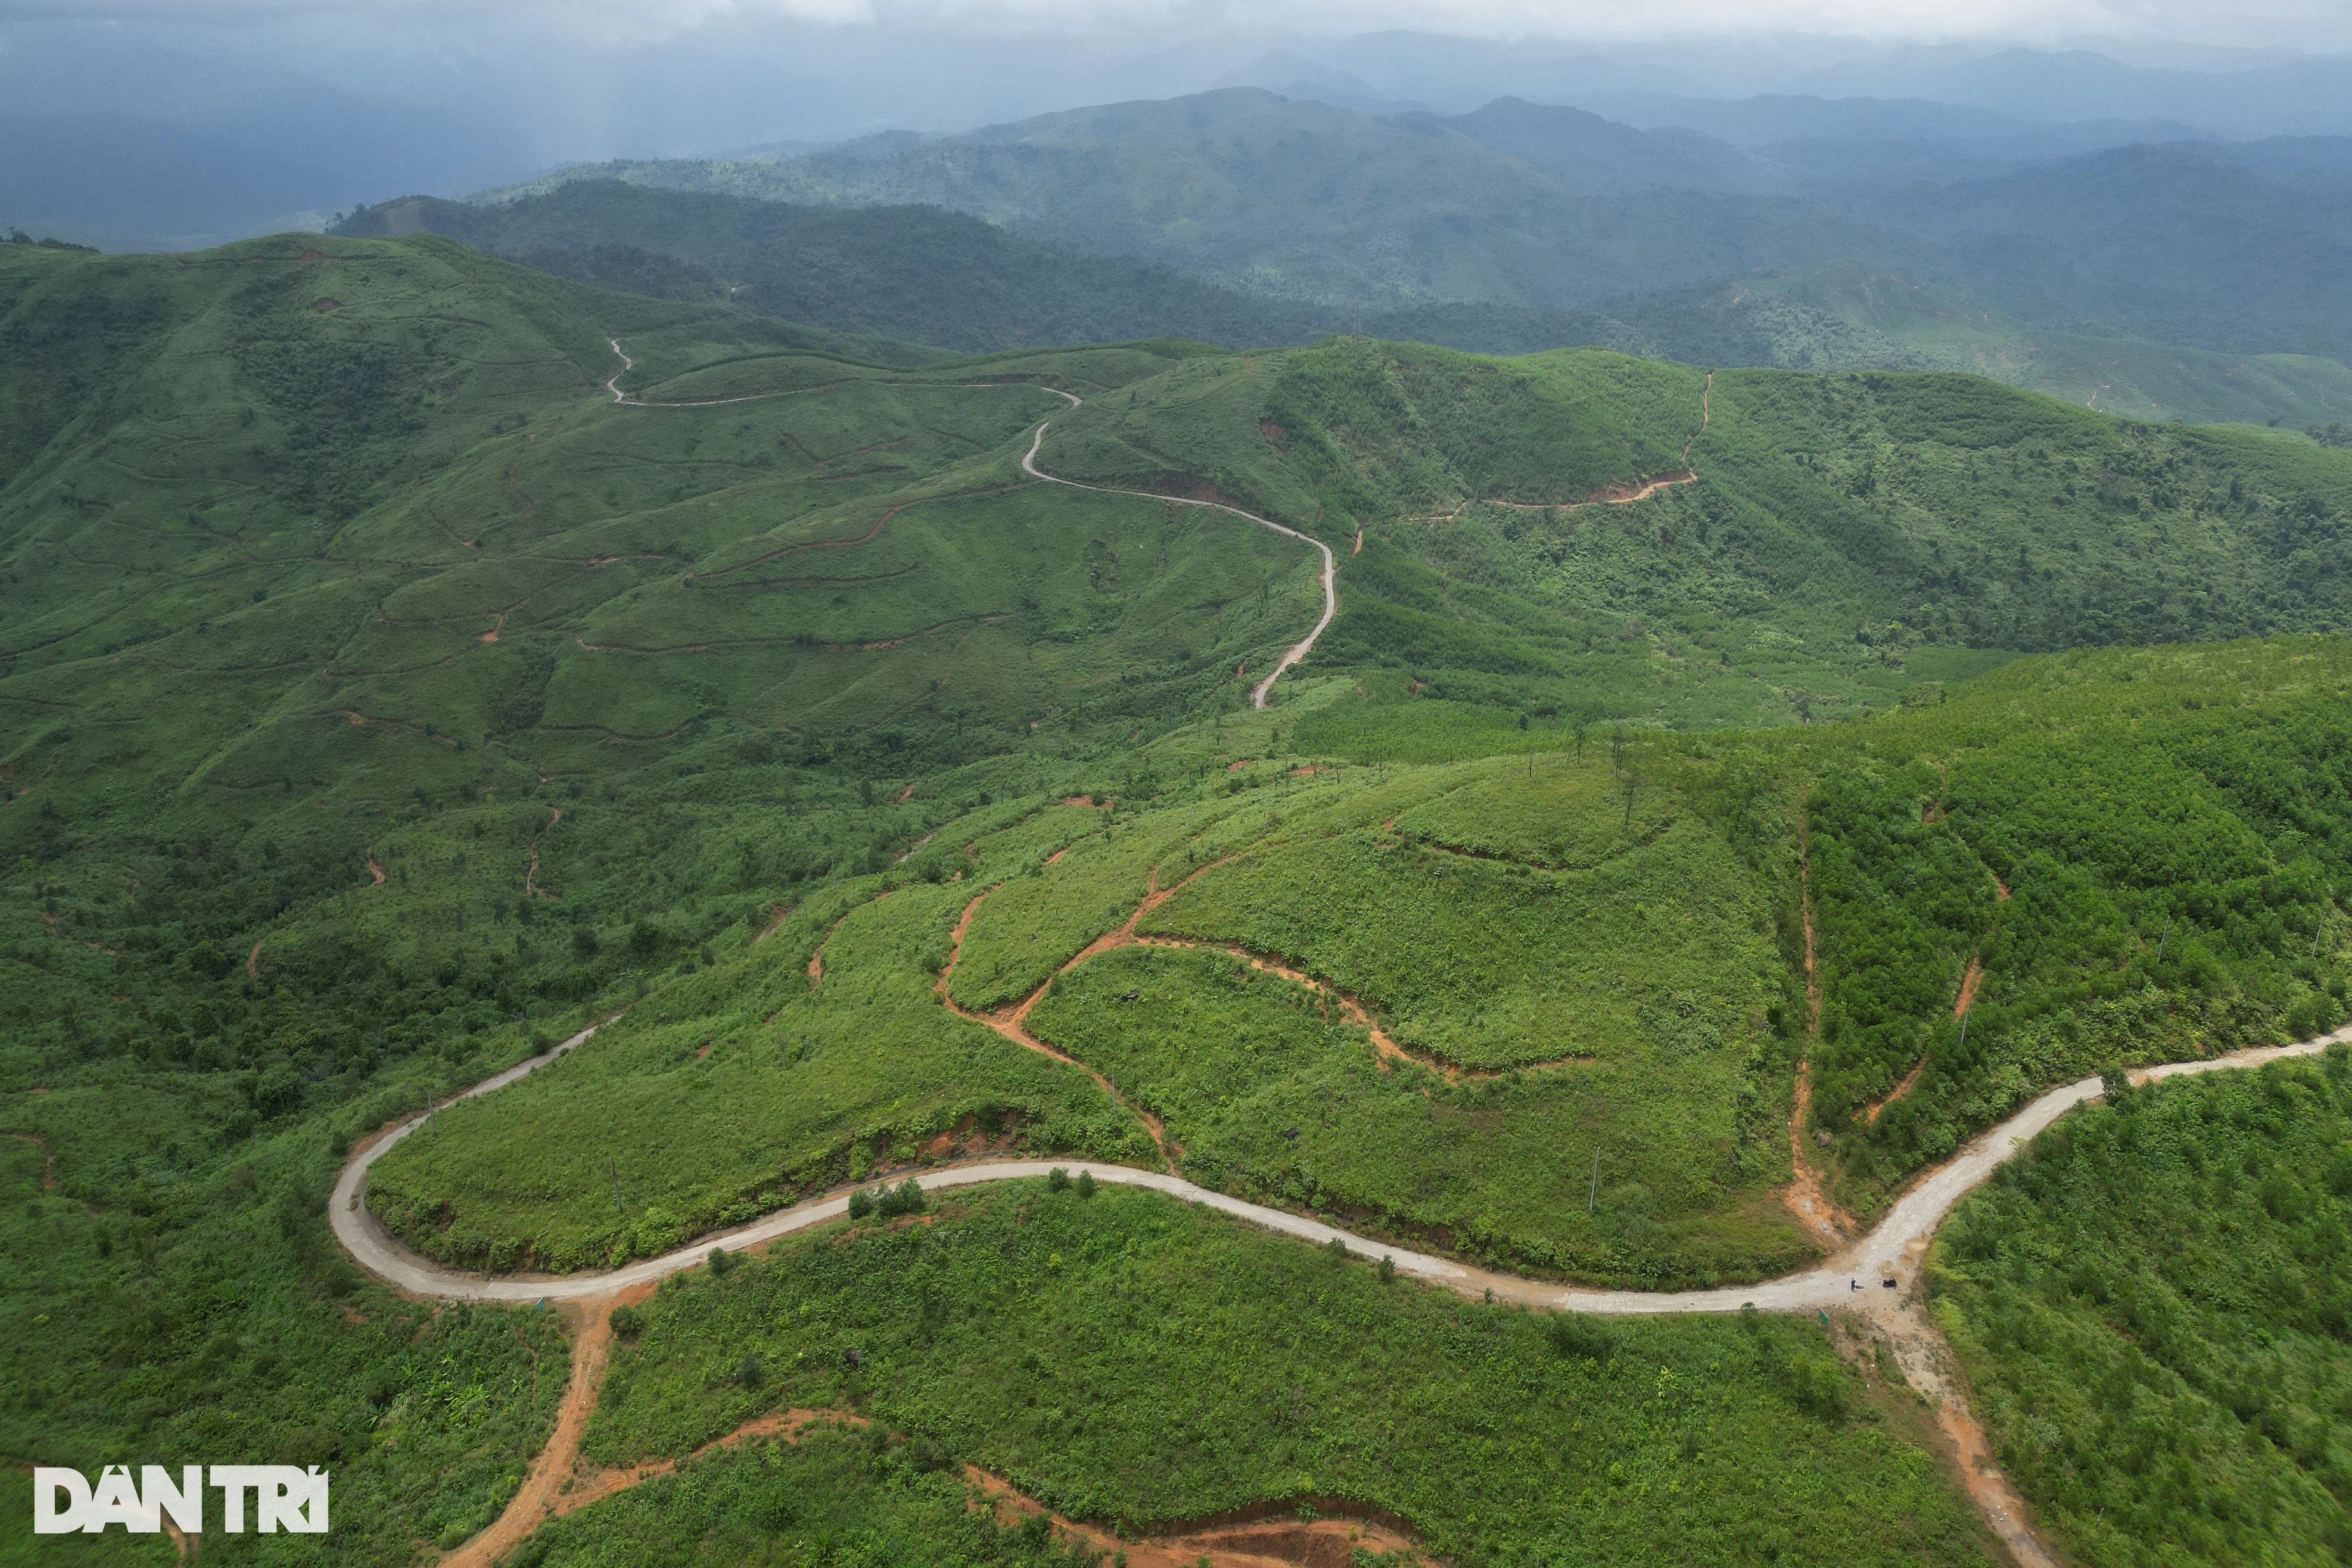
x=2245 y=248
x=131 y=145
x=1590 y=155
x=1313 y=202
x=2303 y=96
x=1295 y=76
x=914 y=272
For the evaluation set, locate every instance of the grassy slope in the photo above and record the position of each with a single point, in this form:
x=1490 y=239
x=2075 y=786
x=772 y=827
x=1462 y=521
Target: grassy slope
x=2172 y=827
x=2168 y=826
x=1652 y=960
x=1846 y=536
x=255 y=548
x=1084 y=1347
x=2152 y=1309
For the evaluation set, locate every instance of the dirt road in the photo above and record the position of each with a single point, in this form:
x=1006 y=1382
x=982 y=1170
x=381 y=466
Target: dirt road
x=1298 y=649
x=1892 y=1250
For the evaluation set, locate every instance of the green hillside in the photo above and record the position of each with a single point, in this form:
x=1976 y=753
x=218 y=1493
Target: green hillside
x=2152 y=1307
x=1844 y=537
x=951 y=279
x=1846 y=316
x=381 y=698
x=1086 y=1344
x=923 y=273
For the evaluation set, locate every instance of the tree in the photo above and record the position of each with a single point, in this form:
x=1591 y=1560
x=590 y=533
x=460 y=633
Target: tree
x=645 y=940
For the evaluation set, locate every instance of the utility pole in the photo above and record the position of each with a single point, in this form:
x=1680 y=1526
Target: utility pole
x=616 y=1166
x=1592 y=1199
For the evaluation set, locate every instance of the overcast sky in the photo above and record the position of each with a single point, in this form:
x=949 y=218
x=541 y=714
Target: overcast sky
x=2324 y=24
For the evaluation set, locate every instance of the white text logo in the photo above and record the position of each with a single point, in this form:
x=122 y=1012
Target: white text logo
x=285 y=1497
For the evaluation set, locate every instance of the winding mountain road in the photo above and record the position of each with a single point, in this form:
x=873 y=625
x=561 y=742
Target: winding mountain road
x=1298 y=649
x=1891 y=1254
x=1891 y=1250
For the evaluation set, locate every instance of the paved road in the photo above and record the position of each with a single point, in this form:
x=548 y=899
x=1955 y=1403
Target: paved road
x=1890 y=1251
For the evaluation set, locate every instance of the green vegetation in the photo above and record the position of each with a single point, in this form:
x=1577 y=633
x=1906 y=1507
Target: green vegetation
x=380 y=701
x=1084 y=1348
x=171 y=1304
x=1846 y=536
x=2170 y=826
x=1638 y=980
x=832 y=1496
x=744 y=1087
x=1294 y=199
x=2152 y=1307
x=915 y=273
x=1846 y=315
x=320 y=802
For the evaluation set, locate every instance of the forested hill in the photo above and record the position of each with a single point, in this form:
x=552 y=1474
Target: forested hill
x=1305 y=201
x=1819 y=540
x=944 y=277
x=921 y=273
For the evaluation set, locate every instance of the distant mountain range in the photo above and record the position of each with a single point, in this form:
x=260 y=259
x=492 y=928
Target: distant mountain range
x=2232 y=248
x=1330 y=206
x=955 y=282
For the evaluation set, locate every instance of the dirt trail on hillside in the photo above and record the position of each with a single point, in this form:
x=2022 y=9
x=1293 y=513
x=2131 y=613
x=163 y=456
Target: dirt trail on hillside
x=541 y=1494
x=1353 y=1008
x=1927 y=1366
x=1969 y=980
x=1263 y=1543
x=1296 y=650
x=1012 y=1020
x=49 y=1159
x=1805 y=1195
x=1616 y=492
x=531 y=887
